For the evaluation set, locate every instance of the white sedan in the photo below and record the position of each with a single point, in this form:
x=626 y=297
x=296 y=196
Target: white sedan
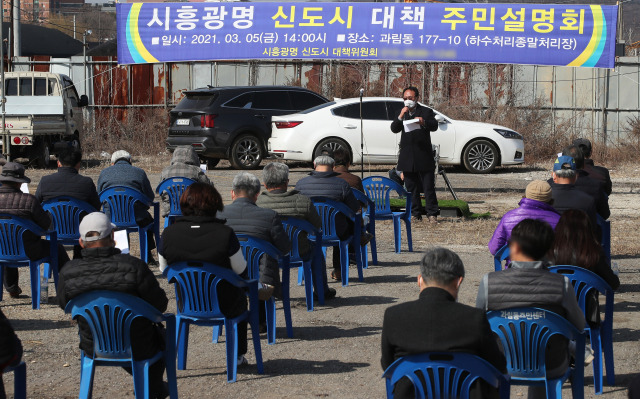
x=480 y=147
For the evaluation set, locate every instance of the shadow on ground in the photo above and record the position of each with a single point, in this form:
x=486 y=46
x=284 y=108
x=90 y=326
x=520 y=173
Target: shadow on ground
x=321 y=333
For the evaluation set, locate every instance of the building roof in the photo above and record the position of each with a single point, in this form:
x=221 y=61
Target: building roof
x=38 y=40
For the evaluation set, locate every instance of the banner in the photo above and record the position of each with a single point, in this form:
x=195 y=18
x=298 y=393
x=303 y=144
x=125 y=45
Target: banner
x=563 y=35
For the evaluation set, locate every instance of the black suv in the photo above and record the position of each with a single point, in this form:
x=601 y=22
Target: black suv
x=234 y=123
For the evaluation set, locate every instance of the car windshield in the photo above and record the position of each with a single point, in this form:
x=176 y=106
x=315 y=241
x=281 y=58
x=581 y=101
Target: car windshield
x=317 y=107
x=196 y=101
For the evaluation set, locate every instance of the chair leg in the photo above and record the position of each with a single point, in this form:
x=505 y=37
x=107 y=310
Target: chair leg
x=407 y=225
x=554 y=389
x=1 y=281
x=344 y=262
x=254 y=323
x=232 y=351
x=144 y=253
x=217 y=333
x=607 y=347
x=317 y=270
x=286 y=300
x=596 y=345
x=397 y=234
x=140 y=372
x=182 y=342
x=86 y=377
x=374 y=251
x=20 y=382
x=35 y=285
x=308 y=283
x=301 y=276
x=359 y=262
x=271 y=320
x=364 y=256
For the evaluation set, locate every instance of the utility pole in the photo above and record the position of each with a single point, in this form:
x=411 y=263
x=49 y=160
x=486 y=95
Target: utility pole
x=15 y=11
x=3 y=100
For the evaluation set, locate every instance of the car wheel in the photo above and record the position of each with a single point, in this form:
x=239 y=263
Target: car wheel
x=42 y=153
x=331 y=144
x=247 y=152
x=481 y=156
x=212 y=162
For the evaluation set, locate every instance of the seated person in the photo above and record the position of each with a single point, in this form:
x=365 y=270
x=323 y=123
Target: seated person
x=103 y=267
x=436 y=321
x=599 y=173
x=184 y=163
x=123 y=173
x=342 y=157
x=10 y=349
x=528 y=283
x=536 y=204
x=585 y=183
x=292 y=204
x=200 y=236
x=245 y=217
x=564 y=192
x=25 y=206
x=576 y=245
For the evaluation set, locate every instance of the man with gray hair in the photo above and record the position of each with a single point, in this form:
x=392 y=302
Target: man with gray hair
x=292 y=204
x=564 y=192
x=245 y=217
x=324 y=182
x=437 y=323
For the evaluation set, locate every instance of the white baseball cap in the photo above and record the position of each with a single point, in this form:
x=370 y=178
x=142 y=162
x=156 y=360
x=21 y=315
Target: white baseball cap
x=95 y=222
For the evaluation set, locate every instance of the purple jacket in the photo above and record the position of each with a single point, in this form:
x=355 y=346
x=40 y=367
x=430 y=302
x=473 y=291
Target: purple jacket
x=529 y=209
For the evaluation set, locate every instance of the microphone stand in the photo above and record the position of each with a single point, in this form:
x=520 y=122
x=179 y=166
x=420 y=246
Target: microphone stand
x=361 y=138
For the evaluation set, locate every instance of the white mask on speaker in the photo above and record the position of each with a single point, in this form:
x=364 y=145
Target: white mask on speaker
x=409 y=103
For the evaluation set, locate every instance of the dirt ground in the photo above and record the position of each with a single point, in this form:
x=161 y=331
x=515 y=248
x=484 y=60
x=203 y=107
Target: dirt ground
x=335 y=351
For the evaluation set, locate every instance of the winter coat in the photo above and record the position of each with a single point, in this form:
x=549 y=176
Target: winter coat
x=416 y=151
x=529 y=209
x=184 y=163
x=108 y=269
x=295 y=205
x=245 y=217
x=599 y=173
x=68 y=182
x=567 y=196
x=353 y=180
x=10 y=345
x=593 y=188
x=122 y=173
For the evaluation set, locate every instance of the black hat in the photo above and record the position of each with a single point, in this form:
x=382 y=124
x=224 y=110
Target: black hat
x=13 y=171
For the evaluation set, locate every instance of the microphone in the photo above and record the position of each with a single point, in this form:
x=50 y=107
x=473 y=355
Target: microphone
x=361 y=92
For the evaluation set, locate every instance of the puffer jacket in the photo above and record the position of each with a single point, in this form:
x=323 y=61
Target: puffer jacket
x=184 y=163
x=26 y=206
x=528 y=209
x=295 y=205
x=108 y=269
x=245 y=217
x=10 y=345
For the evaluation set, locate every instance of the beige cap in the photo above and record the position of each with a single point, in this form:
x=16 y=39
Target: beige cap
x=539 y=190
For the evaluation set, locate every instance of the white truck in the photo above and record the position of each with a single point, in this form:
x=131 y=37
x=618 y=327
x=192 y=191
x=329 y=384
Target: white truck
x=43 y=114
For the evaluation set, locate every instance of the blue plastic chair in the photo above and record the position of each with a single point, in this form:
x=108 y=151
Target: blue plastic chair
x=605 y=240
x=601 y=337
x=109 y=315
x=66 y=213
x=328 y=211
x=12 y=252
x=444 y=375
x=368 y=213
x=196 y=285
x=121 y=201
x=19 y=380
x=524 y=334
x=306 y=268
x=501 y=256
x=379 y=188
x=173 y=188
x=253 y=249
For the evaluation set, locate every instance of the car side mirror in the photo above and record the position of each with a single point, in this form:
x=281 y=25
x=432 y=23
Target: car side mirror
x=440 y=119
x=84 y=101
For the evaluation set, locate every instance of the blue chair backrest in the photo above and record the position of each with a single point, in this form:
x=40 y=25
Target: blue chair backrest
x=442 y=375
x=174 y=187
x=294 y=227
x=378 y=189
x=605 y=239
x=66 y=213
x=584 y=281
x=109 y=315
x=369 y=206
x=328 y=209
x=253 y=249
x=121 y=201
x=11 y=243
x=500 y=256
x=524 y=334
x=196 y=286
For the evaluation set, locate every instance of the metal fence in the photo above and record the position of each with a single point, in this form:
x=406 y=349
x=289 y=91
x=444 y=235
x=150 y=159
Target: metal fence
x=599 y=101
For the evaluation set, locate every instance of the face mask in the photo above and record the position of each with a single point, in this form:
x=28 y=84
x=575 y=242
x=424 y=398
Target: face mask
x=409 y=103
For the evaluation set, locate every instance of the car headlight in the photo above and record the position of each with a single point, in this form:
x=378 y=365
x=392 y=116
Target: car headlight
x=508 y=134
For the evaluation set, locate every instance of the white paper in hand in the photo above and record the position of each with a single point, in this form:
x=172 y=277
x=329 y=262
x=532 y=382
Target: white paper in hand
x=411 y=125
x=122 y=243
x=203 y=167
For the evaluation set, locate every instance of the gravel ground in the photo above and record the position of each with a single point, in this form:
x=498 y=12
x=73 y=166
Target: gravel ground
x=335 y=350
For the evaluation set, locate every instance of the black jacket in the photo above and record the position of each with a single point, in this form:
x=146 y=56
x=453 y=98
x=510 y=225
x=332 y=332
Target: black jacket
x=595 y=189
x=108 y=269
x=567 y=196
x=245 y=217
x=436 y=322
x=599 y=173
x=10 y=345
x=67 y=181
x=416 y=152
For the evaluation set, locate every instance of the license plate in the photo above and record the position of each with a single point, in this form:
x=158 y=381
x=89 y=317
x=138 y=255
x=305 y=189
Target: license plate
x=183 y=122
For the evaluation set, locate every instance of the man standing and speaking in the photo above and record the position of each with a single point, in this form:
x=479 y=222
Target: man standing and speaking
x=415 y=158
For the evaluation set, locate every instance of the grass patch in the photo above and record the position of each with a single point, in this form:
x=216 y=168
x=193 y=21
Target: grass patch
x=462 y=205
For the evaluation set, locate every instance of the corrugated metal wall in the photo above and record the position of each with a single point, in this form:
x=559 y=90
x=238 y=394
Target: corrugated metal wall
x=597 y=100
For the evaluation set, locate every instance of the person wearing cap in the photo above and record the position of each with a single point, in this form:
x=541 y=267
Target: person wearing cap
x=564 y=192
x=599 y=173
x=536 y=204
x=103 y=267
x=123 y=173
x=26 y=206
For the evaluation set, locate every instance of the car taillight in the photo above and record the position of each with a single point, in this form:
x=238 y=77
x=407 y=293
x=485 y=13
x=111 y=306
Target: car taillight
x=287 y=125
x=207 y=120
x=16 y=140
